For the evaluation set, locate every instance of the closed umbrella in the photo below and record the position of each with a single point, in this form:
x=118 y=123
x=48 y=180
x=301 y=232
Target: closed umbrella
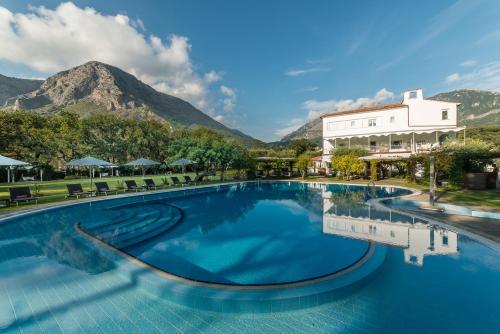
x=183 y=163
x=143 y=163
x=9 y=163
x=89 y=162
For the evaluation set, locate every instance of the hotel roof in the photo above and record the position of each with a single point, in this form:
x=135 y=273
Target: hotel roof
x=367 y=109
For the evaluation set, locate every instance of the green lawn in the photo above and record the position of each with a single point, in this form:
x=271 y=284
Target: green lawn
x=481 y=199
x=55 y=191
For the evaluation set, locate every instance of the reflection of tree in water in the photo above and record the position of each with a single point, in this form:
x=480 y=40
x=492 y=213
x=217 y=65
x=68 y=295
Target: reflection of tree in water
x=310 y=199
x=345 y=200
x=207 y=211
x=53 y=237
x=66 y=250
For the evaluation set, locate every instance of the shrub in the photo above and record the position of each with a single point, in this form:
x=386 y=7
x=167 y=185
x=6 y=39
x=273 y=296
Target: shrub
x=346 y=161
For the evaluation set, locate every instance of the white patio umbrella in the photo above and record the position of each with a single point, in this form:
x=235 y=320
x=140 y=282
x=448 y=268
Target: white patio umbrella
x=143 y=163
x=10 y=163
x=89 y=162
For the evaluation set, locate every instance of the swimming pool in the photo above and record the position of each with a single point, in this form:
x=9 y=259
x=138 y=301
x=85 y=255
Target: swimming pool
x=244 y=257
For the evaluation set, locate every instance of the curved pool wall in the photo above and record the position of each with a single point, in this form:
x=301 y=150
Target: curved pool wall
x=234 y=297
x=313 y=290
x=53 y=279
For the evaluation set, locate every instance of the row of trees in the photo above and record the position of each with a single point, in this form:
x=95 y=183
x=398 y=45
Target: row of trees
x=52 y=140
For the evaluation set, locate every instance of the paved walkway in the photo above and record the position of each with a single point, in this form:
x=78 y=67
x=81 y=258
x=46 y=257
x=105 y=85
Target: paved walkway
x=485 y=227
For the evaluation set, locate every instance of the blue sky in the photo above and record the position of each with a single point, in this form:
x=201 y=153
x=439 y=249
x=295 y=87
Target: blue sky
x=264 y=67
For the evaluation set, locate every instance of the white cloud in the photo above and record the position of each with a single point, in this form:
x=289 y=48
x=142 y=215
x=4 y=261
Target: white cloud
x=228 y=103
x=299 y=72
x=469 y=63
x=227 y=91
x=220 y=118
x=486 y=77
x=291 y=126
x=317 y=108
x=308 y=89
x=453 y=78
x=491 y=37
x=51 y=40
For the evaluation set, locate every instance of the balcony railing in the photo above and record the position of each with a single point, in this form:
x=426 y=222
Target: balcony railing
x=405 y=147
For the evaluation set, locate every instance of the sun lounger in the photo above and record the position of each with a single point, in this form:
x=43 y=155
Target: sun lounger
x=132 y=186
x=175 y=181
x=198 y=179
x=103 y=188
x=21 y=194
x=188 y=180
x=150 y=184
x=76 y=190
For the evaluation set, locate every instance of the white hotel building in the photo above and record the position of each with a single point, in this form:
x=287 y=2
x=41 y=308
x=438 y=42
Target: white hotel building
x=392 y=130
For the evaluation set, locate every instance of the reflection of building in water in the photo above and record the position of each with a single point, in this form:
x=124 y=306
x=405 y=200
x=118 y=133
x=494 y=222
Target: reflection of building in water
x=418 y=239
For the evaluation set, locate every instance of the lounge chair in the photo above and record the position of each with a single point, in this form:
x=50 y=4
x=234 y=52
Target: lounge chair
x=198 y=179
x=76 y=190
x=103 y=188
x=21 y=194
x=175 y=181
x=132 y=186
x=188 y=180
x=150 y=184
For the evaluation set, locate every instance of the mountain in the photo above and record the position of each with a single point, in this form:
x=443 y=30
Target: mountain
x=312 y=130
x=477 y=108
x=13 y=86
x=95 y=87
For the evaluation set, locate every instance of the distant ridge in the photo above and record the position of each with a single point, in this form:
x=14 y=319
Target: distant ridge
x=13 y=86
x=96 y=87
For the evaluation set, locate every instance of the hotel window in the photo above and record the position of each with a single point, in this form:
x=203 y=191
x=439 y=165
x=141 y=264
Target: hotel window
x=445 y=240
x=392 y=119
x=353 y=124
x=393 y=234
x=330 y=126
x=444 y=114
x=413 y=95
x=372 y=122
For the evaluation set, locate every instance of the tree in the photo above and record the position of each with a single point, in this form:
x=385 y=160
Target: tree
x=300 y=146
x=346 y=161
x=303 y=163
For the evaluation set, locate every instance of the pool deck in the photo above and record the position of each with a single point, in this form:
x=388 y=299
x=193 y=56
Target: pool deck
x=485 y=227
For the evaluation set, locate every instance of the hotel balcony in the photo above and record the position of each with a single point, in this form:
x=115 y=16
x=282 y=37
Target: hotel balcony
x=393 y=143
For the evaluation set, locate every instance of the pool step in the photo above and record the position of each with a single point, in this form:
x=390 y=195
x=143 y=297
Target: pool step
x=147 y=232
x=129 y=226
x=122 y=224
x=109 y=218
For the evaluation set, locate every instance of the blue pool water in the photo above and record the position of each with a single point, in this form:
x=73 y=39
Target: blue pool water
x=379 y=271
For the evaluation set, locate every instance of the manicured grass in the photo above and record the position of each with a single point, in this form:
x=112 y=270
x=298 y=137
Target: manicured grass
x=56 y=191
x=391 y=181
x=484 y=199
